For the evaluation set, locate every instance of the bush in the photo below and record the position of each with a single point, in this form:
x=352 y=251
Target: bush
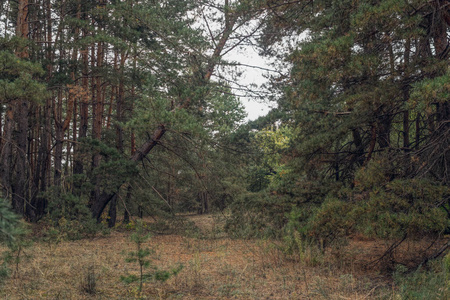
x=320 y=227
x=402 y=207
x=424 y=284
x=258 y=215
x=12 y=234
x=69 y=216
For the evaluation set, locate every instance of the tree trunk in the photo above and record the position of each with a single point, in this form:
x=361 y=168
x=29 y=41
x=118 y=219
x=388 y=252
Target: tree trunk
x=126 y=214
x=99 y=205
x=19 y=184
x=6 y=154
x=41 y=176
x=119 y=132
x=406 y=142
x=59 y=136
x=78 y=167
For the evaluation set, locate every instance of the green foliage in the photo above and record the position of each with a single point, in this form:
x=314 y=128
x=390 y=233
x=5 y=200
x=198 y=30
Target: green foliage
x=257 y=215
x=362 y=124
x=15 y=255
x=428 y=92
x=223 y=113
x=18 y=77
x=393 y=208
x=311 y=228
x=141 y=258
x=432 y=283
x=377 y=206
x=412 y=207
x=258 y=178
x=69 y=216
x=114 y=169
x=273 y=141
x=13 y=234
x=330 y=222
x=11 y=227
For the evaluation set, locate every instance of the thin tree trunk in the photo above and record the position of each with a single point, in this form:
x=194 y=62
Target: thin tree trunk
x=19 y=186
x=78 y=167
x=59 y=136
x=406 y=142
x=418 y=132
x=6 y=157
x=119 y=130
x=20 y=182
x=39 y=203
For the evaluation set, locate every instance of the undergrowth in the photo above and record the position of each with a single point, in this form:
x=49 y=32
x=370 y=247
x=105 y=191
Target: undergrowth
x=424 y=283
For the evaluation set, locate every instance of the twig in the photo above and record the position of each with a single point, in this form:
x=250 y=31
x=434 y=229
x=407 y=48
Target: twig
x=388 y=251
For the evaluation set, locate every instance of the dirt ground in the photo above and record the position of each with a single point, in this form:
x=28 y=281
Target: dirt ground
x=214 y=267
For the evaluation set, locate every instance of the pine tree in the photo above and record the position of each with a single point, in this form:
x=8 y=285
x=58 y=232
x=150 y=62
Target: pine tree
x=357 y=100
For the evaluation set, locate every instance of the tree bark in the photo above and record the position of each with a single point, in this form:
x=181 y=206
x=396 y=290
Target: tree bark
x=41 y=176
x=112 y=214
x=102 y=201
x=19 y=186
x=406 y=88
x=6 y=154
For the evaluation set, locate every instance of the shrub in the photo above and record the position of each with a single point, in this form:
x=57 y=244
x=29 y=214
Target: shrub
x=69 y=215
x=258 y=215
x=12 y=234
x=89 y=281
x=322 y=226
x=402 y=207
x=422 y=283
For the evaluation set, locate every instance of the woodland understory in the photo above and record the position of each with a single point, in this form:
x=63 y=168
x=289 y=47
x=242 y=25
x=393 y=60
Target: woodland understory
x=113 y=111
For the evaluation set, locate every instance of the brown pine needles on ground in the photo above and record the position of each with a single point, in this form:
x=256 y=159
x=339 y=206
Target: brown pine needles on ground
x=215 y=267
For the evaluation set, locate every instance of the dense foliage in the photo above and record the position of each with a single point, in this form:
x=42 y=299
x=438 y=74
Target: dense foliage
x=128 y=105
x=90 y=88
x=367 y=105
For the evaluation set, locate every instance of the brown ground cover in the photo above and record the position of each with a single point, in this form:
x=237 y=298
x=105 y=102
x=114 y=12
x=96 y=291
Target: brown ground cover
x=215 y=267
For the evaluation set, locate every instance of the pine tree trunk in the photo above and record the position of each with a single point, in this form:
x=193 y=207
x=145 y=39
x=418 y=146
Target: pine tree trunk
x=406 y=131
x=43 y=161
x=112 y=214
x=78 y=167
x=19 y=186
x=19 y=182
x=59 y=136
x=6 y=157
x=98 y=206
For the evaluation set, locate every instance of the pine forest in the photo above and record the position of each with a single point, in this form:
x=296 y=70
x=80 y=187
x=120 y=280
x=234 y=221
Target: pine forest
x=130 y=170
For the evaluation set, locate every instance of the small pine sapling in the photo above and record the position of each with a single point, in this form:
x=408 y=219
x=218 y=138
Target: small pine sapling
x=142 y=257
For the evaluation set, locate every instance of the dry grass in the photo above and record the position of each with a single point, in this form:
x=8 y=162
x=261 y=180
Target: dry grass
x=214 y=268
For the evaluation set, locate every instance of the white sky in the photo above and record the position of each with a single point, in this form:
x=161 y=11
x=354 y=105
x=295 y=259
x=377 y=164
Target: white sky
x=254 y=107
x=211 y=22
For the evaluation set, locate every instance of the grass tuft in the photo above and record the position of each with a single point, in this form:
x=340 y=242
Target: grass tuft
x=88 y=283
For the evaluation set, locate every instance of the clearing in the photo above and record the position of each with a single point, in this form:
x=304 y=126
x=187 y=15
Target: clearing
x=215 y=267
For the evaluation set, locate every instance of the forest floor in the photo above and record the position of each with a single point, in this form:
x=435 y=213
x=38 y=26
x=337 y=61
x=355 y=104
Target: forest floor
x=215 y=267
